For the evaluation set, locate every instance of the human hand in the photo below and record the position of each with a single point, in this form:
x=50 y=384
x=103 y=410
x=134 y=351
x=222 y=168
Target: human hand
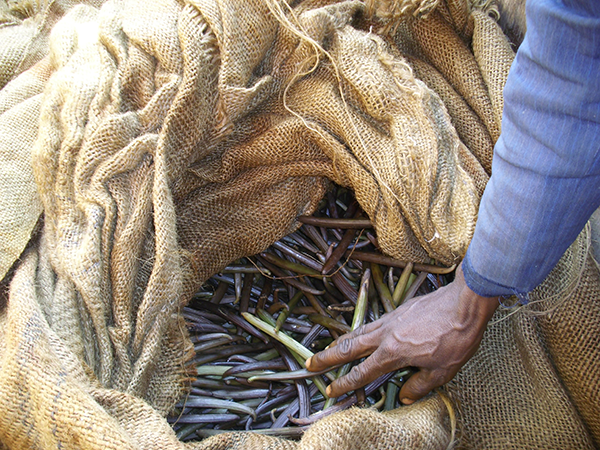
x=436 y=333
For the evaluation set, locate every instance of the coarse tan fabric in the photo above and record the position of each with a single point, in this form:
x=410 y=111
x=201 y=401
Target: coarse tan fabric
x=542 y=360
x=162 y=140
x=423 y=426
x=19 y=112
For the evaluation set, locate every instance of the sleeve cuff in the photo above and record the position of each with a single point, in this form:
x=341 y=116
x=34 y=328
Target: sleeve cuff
x=486 y=288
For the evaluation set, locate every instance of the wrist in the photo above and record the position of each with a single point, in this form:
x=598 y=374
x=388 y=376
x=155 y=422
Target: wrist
x=483 y=306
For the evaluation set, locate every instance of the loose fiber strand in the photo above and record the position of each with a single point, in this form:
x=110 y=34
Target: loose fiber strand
x=297 y=30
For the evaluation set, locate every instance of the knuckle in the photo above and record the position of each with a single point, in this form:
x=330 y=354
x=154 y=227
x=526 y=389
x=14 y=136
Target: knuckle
x=420 y=386
x=388 y=353
x=344 y=347
x=353 y=379
x=438 y=378
x=356 y=373
x=360 y=331
x=424 y=384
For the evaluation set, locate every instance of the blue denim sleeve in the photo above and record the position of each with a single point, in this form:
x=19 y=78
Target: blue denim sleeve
x=545 y=181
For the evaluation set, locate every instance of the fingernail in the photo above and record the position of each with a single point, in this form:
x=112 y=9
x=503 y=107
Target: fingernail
x=308 y=362
x=328 y=391
x=407 y=401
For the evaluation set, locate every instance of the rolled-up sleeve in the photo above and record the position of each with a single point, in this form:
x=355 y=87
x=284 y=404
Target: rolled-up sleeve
x=545 y=181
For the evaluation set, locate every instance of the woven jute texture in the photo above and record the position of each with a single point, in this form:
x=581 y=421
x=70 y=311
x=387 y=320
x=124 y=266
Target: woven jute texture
x=161 y=140
x=423 y=426
x=24 y=41
x=542 y=361
x=19 y=111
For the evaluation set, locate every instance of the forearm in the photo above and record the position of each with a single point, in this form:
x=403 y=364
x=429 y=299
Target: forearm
x=545 y=180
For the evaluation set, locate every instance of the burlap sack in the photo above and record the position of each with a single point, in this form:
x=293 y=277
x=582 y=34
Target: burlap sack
x=175 y=137
x=494 y=57
x=164 y=151
x=450 y=55
x=24 y=30
x=425 y=426
x=534 y=381
x=467 y=123
x=20 y=206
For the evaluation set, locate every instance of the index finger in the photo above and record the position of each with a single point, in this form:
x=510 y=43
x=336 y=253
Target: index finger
x=364 y=329
x=360 y=375
x=345 y=350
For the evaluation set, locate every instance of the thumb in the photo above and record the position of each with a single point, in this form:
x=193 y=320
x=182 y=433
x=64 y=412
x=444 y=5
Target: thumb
x=419 y=385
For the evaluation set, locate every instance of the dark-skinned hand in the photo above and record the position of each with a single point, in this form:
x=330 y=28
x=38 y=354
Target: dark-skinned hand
x=436 y=333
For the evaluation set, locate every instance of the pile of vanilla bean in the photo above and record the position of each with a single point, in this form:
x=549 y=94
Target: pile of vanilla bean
x=254 y=325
